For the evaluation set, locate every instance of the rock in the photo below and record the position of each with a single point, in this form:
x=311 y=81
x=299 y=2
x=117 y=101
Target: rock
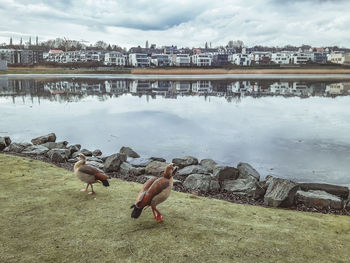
x=16 y=147
x=55 y=145
x=214 y=185
x=35 y=150
x=58 y=155
x=73 y=160
x=126 y=168
x=347 y=205
x=340 y=191
x=192 y=169
x=46 y=138
x=247 y=186
x=209 y=164
x=198 y=182
x=222 y=173
x=185 y=161
x=280 y=192
x=129 y=152
x=114 y=161
x=97 y=152
x=159 y=159
x=74 y=148
x=94 y=159
x=139 y=162
x=177 y=182
x=4 y=142
x=319 y=199
x=86 y=152
x=246 y=171
x=156 y=168
x=95 y=164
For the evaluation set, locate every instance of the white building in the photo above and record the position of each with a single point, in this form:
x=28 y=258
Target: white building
x=257 y=56
x=240 y=59
x=281 y=58
x=181 y=60
x=160 y=60
x=3 y=64
x=114 y=58
x=340 y=58
x=301 y=58
x=139 y=60
x=281 y=88
x=202 y=60
x=202 y=86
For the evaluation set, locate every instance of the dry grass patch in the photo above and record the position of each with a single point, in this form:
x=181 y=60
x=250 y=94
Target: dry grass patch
x=45 y=218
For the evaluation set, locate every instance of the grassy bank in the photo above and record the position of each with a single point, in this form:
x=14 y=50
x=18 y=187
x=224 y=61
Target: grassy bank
x=45 y=218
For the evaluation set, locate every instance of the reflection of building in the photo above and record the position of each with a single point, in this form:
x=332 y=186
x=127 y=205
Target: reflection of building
x=338 y=88
x=281 y=88
x=183 y=87
x=116 y=86
x=140 y=85
x=202 y=86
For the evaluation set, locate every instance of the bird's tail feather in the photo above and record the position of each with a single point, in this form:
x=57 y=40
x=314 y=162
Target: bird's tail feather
x=136 y=212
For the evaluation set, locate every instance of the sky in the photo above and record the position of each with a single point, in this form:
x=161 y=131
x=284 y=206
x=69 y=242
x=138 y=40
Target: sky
x=185 y=23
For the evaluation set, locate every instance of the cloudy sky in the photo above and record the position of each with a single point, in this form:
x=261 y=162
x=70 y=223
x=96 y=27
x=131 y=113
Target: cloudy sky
x=187 y=23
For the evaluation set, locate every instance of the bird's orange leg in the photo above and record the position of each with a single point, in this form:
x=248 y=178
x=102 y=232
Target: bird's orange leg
x=85 y=189
x=159 y=215
x=92 y=190
x=154 y=213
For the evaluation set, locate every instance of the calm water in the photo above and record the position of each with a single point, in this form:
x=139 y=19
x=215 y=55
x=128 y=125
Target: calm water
x=292 y=129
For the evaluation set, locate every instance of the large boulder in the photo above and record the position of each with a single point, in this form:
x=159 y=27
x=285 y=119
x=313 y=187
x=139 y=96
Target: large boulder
x=198 y=182
x=51 y=137
x=347 y=205
x=159 y=159
x=340 y=191
x=139 y=162
x=247 y=186
x=129 y=152
x=97 y=152
x=16 y=147
x=94 y=159
x=280 y=192
x=156 y=168
x=126 y=168
x=58 y=155
x=222 y=173
x=185 y=161
x=208 y=164
x=86 y=152
x=74 y=148
x=319 y=199
x=95 y=164
x=4 y=142
x=35 y=150
x=246 y=171
x=113 y=162
x=192 y=169
x=55 y=145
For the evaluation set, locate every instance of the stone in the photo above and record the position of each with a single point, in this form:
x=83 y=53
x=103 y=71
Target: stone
x=74 y=148
x=126 y=168
x=341 y=191
x=95 y=164
x=35 y=150
x=347 y=205
x=156 y=168
x=16 y=147
x=139 y=162
x=73 y=160
x=246 y=171
x=113 y=162
x=97 y=152
x=51 y=137
x=177 y=182
x=222 y=173
x=86 y=152
x=319 y=199
x=58 y=155
x=129 y=152
x=214 y=185
x=55 y=145
x=280 y=192
x=94 y=159
x=198 y=182
x=192 y=169
x=209 y=164
x=159 y=159
x=4 y=142
x=245 y=186
x=185 y=161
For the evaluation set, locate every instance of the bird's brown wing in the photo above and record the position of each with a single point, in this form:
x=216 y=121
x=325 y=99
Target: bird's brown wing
x=154 y=189
x=87 y=169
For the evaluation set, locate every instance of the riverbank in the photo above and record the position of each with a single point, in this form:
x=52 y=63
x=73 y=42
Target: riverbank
x=45 y=218
x=319 y=70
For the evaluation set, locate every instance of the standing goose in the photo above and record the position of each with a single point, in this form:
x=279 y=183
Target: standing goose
x=89 y=174
x=154 y=191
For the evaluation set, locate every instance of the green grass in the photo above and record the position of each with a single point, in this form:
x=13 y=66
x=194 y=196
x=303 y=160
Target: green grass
x=45 y=218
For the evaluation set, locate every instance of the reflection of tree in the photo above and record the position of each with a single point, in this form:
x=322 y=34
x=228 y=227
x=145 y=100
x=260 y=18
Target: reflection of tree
x=73 y=90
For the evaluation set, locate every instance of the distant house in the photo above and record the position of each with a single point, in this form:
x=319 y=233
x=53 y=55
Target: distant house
x=201 y=60
x=202 y=86
x=3 y=64
x=220 y=60
x=340 y=58
x=182 y=60
x=170 y=50
x=114 y=58
x=139 y=60
x=319 y=57
x=260 y=57
x=240 y=59
x=281 y=58
x=160 y=60
x=301 y=58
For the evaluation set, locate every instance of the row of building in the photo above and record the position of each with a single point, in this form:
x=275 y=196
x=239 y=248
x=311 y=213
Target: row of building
x=173 y=88
x=142 y=57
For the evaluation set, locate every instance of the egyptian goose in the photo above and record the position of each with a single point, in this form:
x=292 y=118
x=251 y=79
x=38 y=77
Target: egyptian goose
x=89 y=174
x=154 y=191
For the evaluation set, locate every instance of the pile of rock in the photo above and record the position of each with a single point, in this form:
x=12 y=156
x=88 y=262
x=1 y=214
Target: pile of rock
x=204 y=177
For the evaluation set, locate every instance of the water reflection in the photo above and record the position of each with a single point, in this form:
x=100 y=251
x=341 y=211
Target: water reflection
x=76 y=89
x=292 y=129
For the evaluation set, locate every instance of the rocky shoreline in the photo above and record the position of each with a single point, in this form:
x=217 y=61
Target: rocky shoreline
x=239 y=184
